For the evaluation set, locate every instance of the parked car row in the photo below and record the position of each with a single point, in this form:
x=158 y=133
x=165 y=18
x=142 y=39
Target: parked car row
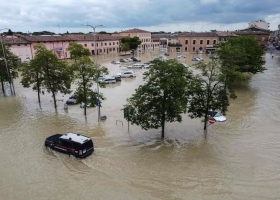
x=126 y=60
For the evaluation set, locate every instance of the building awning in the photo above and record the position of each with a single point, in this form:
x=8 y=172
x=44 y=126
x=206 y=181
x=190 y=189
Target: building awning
x=210 y=48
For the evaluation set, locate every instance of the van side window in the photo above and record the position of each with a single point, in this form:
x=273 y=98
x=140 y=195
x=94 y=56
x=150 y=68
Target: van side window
x=67 y=144
x=76 y=146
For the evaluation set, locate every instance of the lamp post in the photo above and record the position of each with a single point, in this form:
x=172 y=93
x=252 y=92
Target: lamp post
x=96 y=66
x=8 y=71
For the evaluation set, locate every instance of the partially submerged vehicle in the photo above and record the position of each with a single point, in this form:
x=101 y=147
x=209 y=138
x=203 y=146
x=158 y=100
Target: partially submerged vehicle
x=75 y=144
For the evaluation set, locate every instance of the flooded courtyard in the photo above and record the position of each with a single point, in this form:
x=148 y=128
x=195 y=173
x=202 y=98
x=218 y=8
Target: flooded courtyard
x=239 y=160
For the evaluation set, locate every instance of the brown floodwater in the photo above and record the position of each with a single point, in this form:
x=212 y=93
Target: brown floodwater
x=239 y=160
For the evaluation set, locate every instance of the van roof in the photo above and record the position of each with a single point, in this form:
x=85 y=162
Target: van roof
x=75 y=137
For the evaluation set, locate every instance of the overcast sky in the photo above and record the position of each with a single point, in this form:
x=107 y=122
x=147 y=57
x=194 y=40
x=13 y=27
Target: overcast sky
x=151 y=15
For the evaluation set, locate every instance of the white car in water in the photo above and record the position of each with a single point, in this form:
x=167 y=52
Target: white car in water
x=126 y=74
x=115 y=62
x=217 y=116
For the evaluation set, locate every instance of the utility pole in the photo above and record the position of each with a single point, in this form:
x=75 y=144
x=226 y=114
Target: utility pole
x=96 y=66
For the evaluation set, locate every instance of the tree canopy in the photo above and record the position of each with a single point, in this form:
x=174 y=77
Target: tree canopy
x=86 y=74
x=240 y=55
x=12 y=61
x=163 y=97
x=207 y=91
x=130 y=43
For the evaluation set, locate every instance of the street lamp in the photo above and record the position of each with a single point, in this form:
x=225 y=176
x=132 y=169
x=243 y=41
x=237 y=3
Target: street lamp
x=96 y=66
x=8 y=71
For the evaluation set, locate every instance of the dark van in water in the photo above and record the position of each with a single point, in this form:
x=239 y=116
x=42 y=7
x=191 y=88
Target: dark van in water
x=71 y=143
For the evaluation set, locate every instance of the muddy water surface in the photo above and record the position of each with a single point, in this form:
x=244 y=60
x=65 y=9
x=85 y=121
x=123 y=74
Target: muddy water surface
x=239 y=160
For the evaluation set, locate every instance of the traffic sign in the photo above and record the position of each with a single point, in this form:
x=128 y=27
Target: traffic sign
x=98 y=103
x=211 y=120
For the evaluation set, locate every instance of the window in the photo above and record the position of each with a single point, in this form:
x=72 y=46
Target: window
x=113 y=49
x=214 y=41
x=187 y=41
x=208 y=41
x=105 y=44
x=193 y=42
x=101 y=44
x=128 y=34
x=113 y=43
x=109 y=43
x=66 y=143
x=92 y=44
x=201 y=41
x=186 y=48
x=18 y=44
x=193 y=48
x=85 y=45
x=117 y=42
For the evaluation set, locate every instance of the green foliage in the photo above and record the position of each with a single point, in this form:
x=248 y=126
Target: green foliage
x=237 y=56
x=10 y=32
x=43 y=33
x=56 y=74
x=129 y=43
x=163 y=98
x=86 y=74
x=207 y=91
x=77 y=50
x=12 y=63
x=32 y=74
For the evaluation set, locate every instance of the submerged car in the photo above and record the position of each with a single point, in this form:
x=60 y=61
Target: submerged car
x=71 y=143
x=126 y=74
x=217 y=116
x=185 y=65
x=196 y=59
x=181 y=56
x=136 y=59
x=108 y=80
x=72 y=100
x=115 y=62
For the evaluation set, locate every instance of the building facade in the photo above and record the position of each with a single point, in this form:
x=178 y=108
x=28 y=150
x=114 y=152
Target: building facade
x=259 y=24
x=194 y=42
x=144 y=36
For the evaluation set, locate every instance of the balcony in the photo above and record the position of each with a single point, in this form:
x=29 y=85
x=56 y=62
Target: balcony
x=174 y=44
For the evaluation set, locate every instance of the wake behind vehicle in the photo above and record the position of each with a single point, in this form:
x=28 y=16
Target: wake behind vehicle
x=71 y=143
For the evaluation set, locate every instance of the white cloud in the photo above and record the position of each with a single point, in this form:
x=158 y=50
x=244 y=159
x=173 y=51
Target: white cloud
x=36 y=15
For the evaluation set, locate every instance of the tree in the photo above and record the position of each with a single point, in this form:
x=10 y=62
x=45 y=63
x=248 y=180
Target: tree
x=10 y=32
x=163 y=98
x=129 y=43
x=238 y=56
x=87 y=74
x=32 y=74
x=207 y=91
x=56 y=74
x=8 y=65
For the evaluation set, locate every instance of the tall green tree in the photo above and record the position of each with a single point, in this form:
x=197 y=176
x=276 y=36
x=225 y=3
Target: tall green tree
x=32 y=74
x=207 y=91
x=240 y=55
x=10 y=32
x=128 y=43
x=12 y=61
x=56 y=74
x=86 y=74
x=163 y=97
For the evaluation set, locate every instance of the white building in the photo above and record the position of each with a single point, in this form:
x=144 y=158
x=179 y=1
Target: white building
x=259 y=24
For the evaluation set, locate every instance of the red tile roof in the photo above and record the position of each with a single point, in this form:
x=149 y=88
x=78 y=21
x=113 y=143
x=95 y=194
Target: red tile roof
x=198 y=34
x=135 y=30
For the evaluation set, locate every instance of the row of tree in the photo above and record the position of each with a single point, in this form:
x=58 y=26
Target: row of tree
x=47 y=72
x=170 y=89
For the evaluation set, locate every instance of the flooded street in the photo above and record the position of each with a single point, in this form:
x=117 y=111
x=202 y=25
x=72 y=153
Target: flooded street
x=239 y=160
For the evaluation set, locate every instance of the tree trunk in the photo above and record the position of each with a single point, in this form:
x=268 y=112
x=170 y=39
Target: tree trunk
x=3 y=90
x=38 y=90
x=85 y=95
x=163 y=117
x=54 y=99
